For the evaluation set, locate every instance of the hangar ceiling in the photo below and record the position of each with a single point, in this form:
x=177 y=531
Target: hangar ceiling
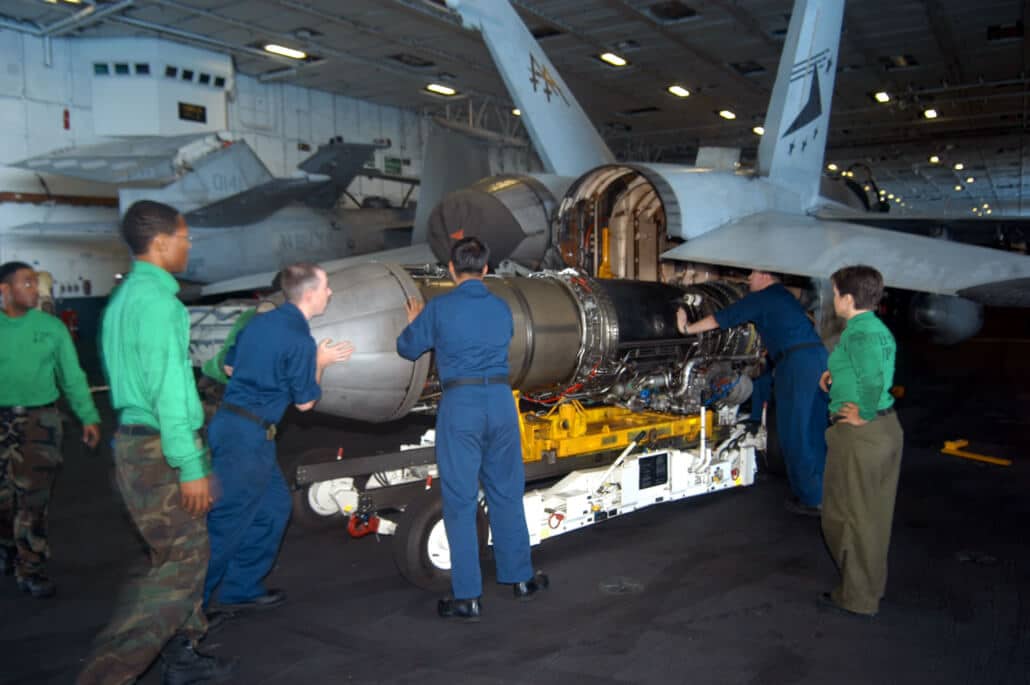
x=966 y=60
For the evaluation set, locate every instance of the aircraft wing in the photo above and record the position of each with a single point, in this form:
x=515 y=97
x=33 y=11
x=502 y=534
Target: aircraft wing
x=412 y=254
x=808 y=246
x=148 y=159
x=83 y=230
x=1000 y=232
x=254 y=204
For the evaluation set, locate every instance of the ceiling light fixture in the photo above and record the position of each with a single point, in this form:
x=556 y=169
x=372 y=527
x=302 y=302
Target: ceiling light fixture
x=679 y=91
x=970 y=179
x=959 y=166
x=986 y=206
x=930 y=113
x=612 y=59
x=284 y=51
x=934 y=159
x=439 y=89
x=831 y=167
x=882 y=96
x=890 y=196
x=758 y=130
x=517 y=112
x=727 y=114
x=958 y=188
x=988 y=211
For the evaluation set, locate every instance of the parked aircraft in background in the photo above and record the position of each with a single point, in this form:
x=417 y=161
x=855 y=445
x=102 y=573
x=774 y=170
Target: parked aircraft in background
x=242 y=219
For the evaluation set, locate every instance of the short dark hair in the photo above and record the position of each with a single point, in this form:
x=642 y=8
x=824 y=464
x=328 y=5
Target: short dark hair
x=296 y=279
x=8 y=270
x=863 y=283
x=144 y=220
x=469 y=256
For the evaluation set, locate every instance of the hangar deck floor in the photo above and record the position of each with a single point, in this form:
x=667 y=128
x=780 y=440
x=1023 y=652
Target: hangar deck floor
x=712 y=590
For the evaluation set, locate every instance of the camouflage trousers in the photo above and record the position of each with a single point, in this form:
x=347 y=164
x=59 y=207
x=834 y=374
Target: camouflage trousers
x=30 y=459
x=167 y=599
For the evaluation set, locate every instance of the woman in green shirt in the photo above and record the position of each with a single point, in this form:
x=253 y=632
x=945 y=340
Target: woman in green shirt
x=864 y=443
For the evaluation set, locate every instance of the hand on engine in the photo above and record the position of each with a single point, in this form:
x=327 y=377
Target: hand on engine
x=329 y=352
x=414 y=307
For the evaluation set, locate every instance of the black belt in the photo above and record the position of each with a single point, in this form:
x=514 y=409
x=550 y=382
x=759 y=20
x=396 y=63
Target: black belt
x=22 y=411
x=879 y=412
x=783 y=355
x=479 y=380
x=137 y=429
x=250 y=416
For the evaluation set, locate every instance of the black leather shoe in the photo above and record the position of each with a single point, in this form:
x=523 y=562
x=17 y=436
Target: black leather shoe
x=218 y=618
x=826 y=603
x=467 y=610
x=183 y=664
x=8 y=558
x=794 y=506
x=37 y=585
x=269 y=600
x=526 y=589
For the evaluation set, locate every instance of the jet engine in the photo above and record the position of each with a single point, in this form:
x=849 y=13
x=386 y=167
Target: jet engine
x=596 y=341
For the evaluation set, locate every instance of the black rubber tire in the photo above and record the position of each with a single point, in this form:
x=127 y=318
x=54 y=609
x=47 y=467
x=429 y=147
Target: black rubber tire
x=410 y=553
x=771 y=460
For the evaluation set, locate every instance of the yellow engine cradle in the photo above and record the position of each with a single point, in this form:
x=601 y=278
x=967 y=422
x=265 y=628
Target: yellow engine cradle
x=571 y=430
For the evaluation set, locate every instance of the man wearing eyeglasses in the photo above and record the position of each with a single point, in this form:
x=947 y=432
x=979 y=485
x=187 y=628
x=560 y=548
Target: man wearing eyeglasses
x=161 y=465
x=37 y=357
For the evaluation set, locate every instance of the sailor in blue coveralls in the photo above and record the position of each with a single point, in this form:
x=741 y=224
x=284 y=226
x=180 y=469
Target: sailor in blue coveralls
x=274 y=363
x=798 y=357
x=477 y=430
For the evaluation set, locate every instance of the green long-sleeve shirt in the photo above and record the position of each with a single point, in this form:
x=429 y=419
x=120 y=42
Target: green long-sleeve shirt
x=212 y=368
x=145 y=346
x=862 y=366
x=36 y=356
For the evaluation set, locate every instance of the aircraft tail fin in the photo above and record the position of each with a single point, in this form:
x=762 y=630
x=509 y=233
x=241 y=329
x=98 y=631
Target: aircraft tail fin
x=562 y=134
x=341 y=162
x=797 y=122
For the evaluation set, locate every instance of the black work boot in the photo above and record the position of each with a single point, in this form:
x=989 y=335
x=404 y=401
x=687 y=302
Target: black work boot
x=527 y=588
x=182 y=664
x=37 y=585
x=465 y=610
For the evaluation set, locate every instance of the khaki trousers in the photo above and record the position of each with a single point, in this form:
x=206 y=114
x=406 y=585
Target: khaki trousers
x=859 y=488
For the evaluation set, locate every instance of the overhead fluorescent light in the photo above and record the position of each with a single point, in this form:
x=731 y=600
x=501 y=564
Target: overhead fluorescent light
x=970 y=179
x=727 y=114
x=831 y=166
x=986 y=206
x=882 y=97
x=758 y=130
x=517 y=112
x=612 y=59
x=441 y=89
x=930 y=113
x=890 y=196
x=934 y=159
x=959 y=166
x=284 y=51
x=679 y=91
x=988 y=211
x=958 y=188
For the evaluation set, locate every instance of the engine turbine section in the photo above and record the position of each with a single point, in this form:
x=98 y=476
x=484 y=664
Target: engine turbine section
x=596 y=341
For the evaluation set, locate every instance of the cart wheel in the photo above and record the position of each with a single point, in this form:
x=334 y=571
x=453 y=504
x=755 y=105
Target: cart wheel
x=308 y=517
x=771 y=460
x=420 y=547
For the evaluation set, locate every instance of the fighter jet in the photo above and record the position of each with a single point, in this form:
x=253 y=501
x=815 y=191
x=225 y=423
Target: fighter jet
x=241 y=218
x=777 y=218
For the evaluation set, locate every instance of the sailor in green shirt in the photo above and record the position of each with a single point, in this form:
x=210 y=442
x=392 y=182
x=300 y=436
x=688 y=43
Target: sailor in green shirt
x=36 y=357
x=864 y=444
x=162 y=468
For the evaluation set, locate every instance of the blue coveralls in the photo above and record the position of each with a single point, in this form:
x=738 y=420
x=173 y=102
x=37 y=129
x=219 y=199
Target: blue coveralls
x=273 y=364
x=799 y=358
x=477 y=431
